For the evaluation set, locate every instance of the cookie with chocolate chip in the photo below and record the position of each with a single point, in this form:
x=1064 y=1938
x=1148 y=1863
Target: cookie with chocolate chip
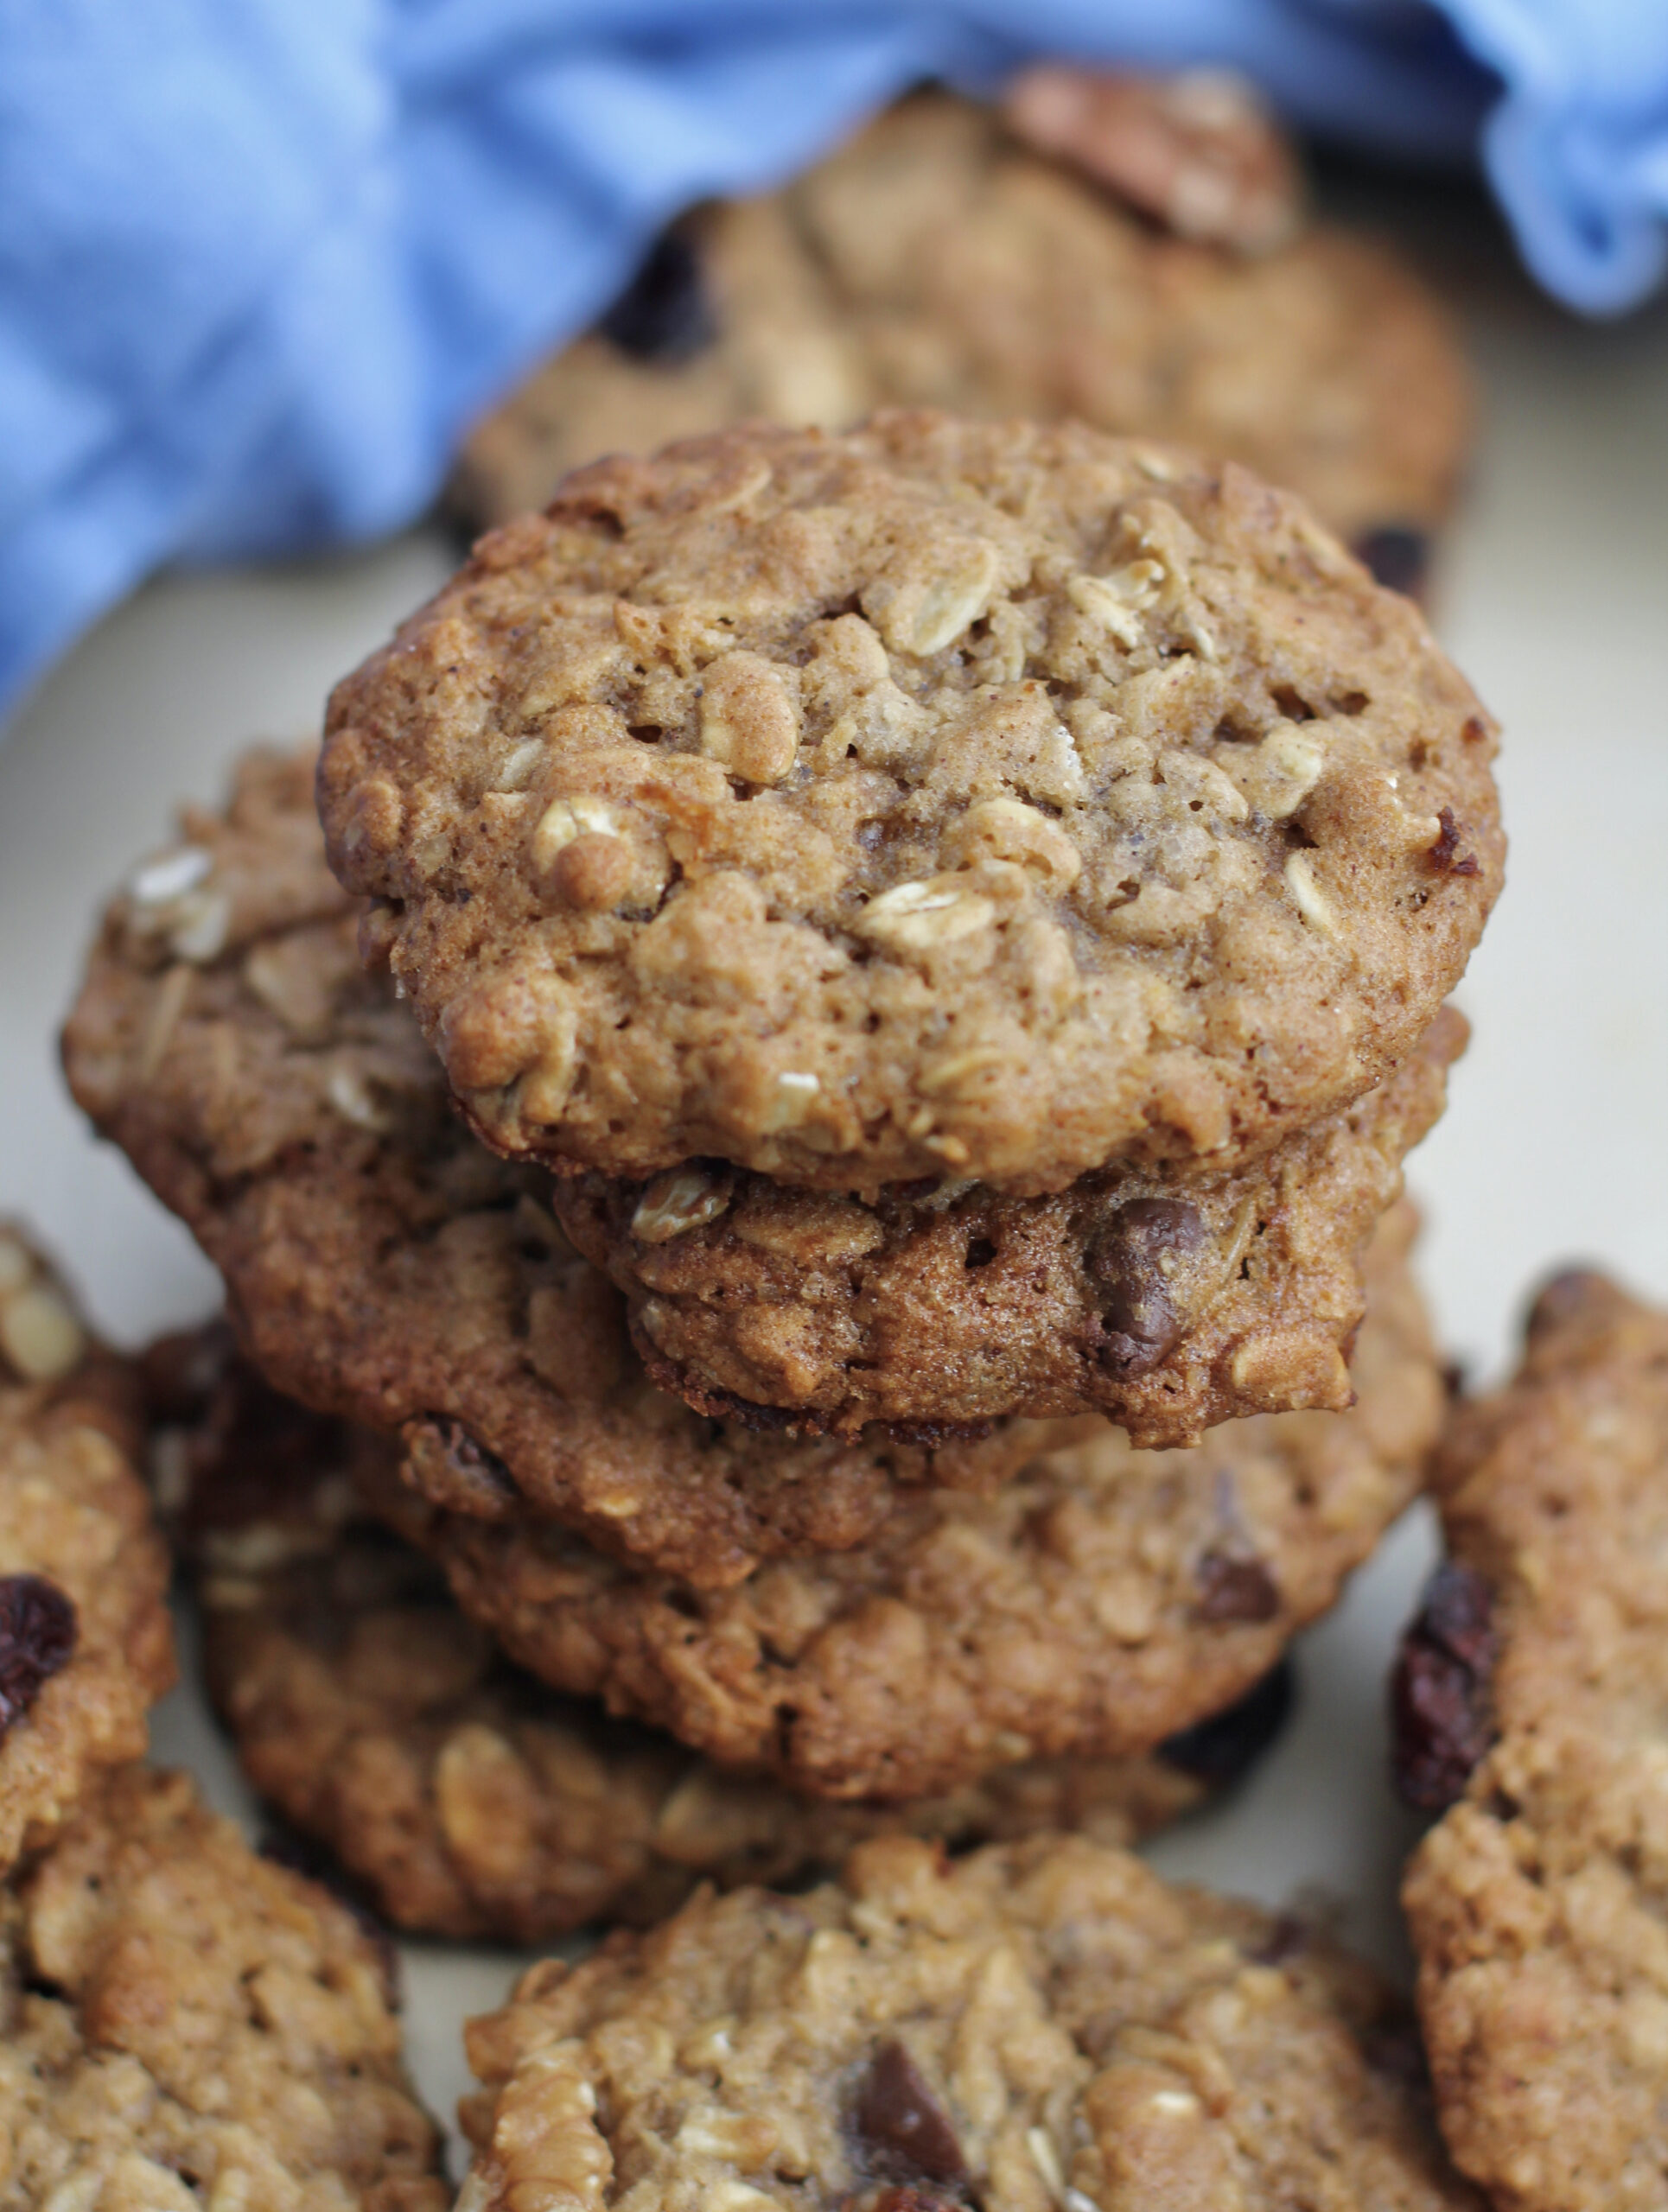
x=86 y=1645
x=465 y=1797
x=183 y=2023
x=1096 y=1603
x=383 y=1265
x=1168 y=1303
x=1133 y=254
x=945 y=799
x=1038 y=2025
x=1531 y=1696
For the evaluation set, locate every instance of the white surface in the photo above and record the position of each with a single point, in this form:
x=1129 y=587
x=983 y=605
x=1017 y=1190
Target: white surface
x=1555 y=600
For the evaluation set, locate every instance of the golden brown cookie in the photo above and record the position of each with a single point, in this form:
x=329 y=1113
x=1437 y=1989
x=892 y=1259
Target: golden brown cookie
x=1166 y=1302
x=465 y=1797
x=1093 y=1605
x=942 y=799
x=383 y=1265
x=937 y=261
x=1041 y=2025
x=183 y=2025
x=86 y=1645
x=1531 y=1691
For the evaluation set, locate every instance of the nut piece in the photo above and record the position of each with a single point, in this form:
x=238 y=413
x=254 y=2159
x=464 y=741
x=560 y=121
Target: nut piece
x=682 y=1199
x=39 y=1334
x=565 y=819
x=921 y=917
x=749 y=720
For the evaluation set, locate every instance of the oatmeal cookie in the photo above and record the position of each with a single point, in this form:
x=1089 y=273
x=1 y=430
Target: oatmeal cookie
x=384 y=1265
x=1093 y=1605
x=85 y=1646
x=1036 y=2026
x=1538 y=1903
x=467 y=1798
x=1168 y=1303
x=183 y=2025
x=937 y=261
x=943 y=798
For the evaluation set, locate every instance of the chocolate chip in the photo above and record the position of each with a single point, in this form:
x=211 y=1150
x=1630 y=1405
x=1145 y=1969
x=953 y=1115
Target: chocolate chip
x=1441 y=1723
x=1396 y=556
x=1233 y=1589
x=1445 y=855
x=451 y=1468
x=37 y=1635
x=1139 y=1317
x=664 y=315
x=1221 y=1748
x=900 y=2124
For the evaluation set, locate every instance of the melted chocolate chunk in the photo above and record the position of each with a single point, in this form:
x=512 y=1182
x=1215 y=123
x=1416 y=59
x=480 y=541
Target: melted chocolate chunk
x=1440 y=1723
x=1139 y=1316
x=37 y=1635
x=1234 y=1590
x=454 y=1471
x=1397 y=557
x=1227 y=1745
x=903 y=2129
x=664 y=315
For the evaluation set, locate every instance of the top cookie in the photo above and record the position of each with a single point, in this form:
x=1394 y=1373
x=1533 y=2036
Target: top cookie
x=1538 y=1904
x=936 y=261
x=944 y=799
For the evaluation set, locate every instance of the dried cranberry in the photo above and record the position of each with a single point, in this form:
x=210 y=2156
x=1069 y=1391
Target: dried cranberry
x=664 y=315
x=1227 y=1745
x=903 y=2128
x=37 y=1635
x=1441 y=1721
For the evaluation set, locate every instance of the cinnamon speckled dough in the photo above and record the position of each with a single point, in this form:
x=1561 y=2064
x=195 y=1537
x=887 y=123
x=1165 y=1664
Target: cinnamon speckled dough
x=85 y=1646
x=1038 y=2025
x=1166 y=1303
x=183 y=2025
x=1096 y=1603
x=934 y=261
x=1538 y=1903
x=383 y=1265
x=943 y=798
x=468 y=1798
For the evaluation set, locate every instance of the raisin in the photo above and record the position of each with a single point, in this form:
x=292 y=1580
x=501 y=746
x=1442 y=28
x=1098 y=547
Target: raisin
x=1221 y=1748
x=1234 y=1590
x=37 y=1635
x=1440 y=1723
x=1445 y=855
x=664 y=315
x=1396 y=556
x=900 y=2124
x=452 y=1470
x=1139 y=1318
x=1562 y=1297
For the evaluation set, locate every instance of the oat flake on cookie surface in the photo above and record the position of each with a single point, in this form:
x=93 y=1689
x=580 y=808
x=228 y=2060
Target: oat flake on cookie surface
x=1539 y=1905
x=938 y=799
x=86 y=1645
x=184 y=2026
x=1037 y=2026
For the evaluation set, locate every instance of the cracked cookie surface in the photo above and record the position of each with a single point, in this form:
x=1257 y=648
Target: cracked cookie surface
x=182 y=2024
x=86 y=1645
x=383 y=1265
x=1166 y=1303
x=943 y=798
x=935 y=261
x=1093 y=1605
x=468 y=1799
x=1036 y=2026
x=1537 y=1904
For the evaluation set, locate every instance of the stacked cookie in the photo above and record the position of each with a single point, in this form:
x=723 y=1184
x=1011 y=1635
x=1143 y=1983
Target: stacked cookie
x=899 y=973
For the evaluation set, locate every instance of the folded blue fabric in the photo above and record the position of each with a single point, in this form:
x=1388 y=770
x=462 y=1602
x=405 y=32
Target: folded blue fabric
x=261 y=261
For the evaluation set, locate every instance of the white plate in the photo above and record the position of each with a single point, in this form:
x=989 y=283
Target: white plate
x=1555 y=599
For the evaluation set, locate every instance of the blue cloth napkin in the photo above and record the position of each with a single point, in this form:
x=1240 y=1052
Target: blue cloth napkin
x=261 y=261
